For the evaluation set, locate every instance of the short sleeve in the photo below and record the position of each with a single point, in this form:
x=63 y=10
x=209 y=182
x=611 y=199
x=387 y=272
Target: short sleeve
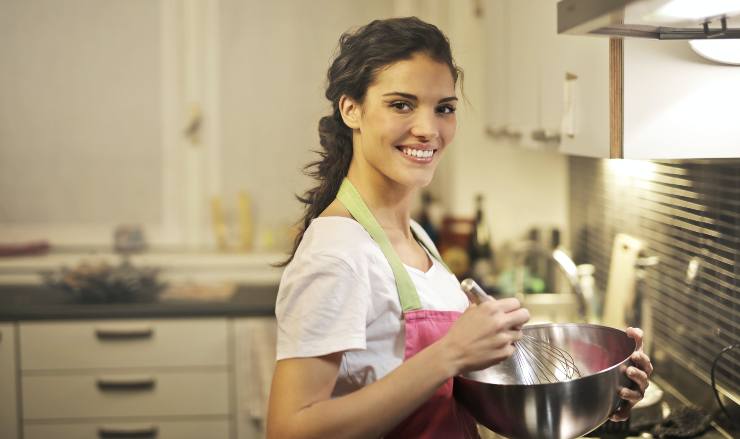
x=321 y=308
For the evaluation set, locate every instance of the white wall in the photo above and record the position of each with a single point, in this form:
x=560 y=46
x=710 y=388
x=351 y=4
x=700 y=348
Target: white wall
x=522 y=187
x=264 y=89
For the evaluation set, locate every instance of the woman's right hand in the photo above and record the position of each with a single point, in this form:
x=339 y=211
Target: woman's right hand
x=485 y=333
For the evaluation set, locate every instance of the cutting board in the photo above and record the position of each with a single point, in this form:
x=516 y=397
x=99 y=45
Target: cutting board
x=620 y=290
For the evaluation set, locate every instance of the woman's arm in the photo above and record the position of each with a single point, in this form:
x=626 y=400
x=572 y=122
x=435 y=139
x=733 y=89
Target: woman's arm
x=301 y=406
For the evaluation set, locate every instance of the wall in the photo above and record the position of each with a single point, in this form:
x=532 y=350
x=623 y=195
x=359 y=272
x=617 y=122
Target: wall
x=522 y=187
x=681 y=210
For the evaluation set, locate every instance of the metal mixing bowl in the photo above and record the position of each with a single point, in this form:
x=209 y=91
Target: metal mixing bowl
x=499 y=400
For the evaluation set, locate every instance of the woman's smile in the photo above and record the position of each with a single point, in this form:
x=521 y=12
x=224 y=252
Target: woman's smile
x=418 y=153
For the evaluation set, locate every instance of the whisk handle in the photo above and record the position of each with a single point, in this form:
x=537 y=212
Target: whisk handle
x=474 y=292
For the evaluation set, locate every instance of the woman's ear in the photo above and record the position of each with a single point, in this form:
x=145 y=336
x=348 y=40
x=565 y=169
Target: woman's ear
x=350 y=111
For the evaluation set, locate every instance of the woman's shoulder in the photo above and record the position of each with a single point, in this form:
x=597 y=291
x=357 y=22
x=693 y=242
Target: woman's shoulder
x=339 y=238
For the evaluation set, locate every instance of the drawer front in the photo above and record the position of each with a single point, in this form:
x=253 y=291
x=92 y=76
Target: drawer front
x=123 y=343
x=121 y=430
x=118 y=394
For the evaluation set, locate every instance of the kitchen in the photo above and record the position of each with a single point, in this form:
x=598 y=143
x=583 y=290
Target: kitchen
x=153 y=132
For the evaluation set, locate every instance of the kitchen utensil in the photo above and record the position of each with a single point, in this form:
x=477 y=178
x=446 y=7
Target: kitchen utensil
x=537 y=360
x=620 y=289
x=499 y=398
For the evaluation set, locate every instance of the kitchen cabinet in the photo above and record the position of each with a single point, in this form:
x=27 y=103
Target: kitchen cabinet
x=8 y=387
x=125 y=375
x=601 y=97
x=514 y=62
x=166 y=378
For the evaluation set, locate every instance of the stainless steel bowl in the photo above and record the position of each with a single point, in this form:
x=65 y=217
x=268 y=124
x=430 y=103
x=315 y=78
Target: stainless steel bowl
x=499 y=400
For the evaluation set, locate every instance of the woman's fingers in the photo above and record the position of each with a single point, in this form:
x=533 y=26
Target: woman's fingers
x=509 y=304
x=642 y=361
x=637 y=334
x=630 y=395
x=518 y=318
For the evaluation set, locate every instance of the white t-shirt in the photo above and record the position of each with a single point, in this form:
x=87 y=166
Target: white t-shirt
x=339 y=294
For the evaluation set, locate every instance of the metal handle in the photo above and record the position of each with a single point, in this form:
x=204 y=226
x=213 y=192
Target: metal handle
x=127 y=432
x=474 y=292
x=127 y=383
x=124 y=333
x=543 y=135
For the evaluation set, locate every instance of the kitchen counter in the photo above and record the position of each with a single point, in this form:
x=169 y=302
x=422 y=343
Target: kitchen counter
x=34 y=302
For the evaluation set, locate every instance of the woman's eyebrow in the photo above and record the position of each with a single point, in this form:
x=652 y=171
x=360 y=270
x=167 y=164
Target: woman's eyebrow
x=414 y=98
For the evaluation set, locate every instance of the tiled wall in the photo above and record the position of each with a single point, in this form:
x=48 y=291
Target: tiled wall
x=681 y=210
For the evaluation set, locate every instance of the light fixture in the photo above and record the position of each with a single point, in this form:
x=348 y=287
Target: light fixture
x=694 y=11
x=719 y=51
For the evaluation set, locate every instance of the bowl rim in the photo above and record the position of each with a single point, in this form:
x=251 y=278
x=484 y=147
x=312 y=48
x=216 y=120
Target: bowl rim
x=550 y=325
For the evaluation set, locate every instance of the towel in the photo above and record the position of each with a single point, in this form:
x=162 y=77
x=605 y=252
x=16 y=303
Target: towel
x=255 y=342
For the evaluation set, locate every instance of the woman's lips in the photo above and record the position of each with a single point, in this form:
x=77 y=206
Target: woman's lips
x=417 y=154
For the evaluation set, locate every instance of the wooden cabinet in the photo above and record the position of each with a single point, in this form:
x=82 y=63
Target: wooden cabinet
x=9 y=421
x=601 y=97
x=159 y=430
x=151 y=377
x=164 y=378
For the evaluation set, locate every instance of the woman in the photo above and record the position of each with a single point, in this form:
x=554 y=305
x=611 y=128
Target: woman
x=371 y=325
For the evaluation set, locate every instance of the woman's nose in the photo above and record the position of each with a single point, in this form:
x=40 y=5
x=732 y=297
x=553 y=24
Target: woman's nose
x=425 y=126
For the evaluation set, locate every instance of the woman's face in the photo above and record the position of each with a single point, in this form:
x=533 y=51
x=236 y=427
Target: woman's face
x=406 y=121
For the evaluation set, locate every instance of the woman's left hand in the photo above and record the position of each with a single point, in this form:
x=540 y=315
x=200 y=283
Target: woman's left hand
x=639 y=373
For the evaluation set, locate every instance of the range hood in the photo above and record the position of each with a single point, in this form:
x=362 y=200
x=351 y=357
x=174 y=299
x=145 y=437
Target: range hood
x=658 y=19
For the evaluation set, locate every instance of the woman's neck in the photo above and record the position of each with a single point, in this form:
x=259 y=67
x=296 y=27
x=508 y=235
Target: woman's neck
x=389 y=202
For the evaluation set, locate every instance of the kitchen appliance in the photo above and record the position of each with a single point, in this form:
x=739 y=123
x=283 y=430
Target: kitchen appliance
x=657 y=19
x=498 y=398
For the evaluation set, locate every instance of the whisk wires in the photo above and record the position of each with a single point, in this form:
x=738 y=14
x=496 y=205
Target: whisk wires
x=538 y=361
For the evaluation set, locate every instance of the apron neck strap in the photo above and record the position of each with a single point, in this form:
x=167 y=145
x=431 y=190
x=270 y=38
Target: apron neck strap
x=352 y=200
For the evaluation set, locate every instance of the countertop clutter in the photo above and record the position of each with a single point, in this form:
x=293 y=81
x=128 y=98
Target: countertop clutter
x=33 y=302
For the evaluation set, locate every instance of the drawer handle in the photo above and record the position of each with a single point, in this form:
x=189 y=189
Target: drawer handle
x=127 y=432
x=130 y=383
x=124 y=333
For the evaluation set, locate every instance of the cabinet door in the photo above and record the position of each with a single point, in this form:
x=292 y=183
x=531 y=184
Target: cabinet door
x=159 y=429
x=678 y=105
x=87 y=88
x=497 y=70
x=8 y=385
x=123 y=343
x=582 y=80
x=523 y=85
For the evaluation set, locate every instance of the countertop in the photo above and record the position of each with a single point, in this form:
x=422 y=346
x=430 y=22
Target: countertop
x=33 y=302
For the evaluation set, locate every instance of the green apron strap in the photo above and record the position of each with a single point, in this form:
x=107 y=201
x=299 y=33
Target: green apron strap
x=432 y=251
x=352 y=200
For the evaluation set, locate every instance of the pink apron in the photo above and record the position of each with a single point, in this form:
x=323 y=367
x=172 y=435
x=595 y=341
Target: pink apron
x=440 y=417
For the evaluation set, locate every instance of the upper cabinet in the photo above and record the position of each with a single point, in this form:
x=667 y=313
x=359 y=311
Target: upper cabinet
x=601 y=97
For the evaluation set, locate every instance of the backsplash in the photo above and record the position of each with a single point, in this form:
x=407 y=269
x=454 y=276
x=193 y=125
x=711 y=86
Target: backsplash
x=681 y=210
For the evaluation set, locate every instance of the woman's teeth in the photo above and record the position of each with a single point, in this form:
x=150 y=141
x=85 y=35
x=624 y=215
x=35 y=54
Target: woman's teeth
x=423 y=154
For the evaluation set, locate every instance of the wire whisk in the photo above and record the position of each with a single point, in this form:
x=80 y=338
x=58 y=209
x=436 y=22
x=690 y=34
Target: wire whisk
x=537 y=361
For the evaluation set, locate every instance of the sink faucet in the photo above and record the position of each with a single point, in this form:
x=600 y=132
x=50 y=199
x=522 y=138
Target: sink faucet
x=571 y=271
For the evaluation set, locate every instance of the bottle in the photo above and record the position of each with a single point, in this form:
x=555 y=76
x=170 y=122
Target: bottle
x=535 y=264
x=425 y=217
x=480 y=250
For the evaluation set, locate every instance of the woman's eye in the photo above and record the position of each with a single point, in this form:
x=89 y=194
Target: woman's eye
x=400 y=105
x=446 y=109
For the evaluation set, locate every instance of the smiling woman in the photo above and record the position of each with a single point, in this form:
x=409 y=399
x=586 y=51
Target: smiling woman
x=371 y=325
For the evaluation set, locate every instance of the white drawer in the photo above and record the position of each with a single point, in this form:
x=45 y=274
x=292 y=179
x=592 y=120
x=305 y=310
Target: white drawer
x=93 y=395
x=123 y=343
x=218 y=429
